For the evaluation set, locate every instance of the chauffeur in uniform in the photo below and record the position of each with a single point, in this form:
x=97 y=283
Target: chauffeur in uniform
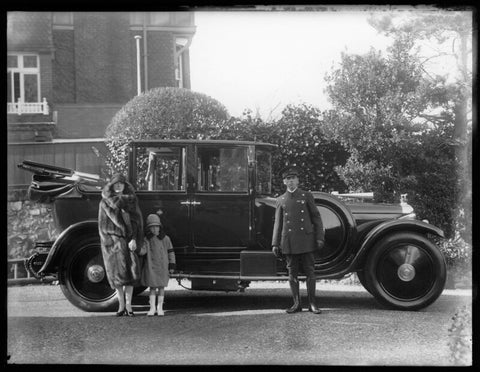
x=298 y=233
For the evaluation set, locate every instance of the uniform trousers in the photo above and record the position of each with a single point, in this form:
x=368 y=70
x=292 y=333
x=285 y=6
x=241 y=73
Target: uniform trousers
x=307 y=260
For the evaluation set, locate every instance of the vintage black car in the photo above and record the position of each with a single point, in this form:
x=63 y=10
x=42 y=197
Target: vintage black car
x=219 y=211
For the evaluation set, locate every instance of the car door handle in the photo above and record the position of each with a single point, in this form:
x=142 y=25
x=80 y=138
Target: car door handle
x=187 y=202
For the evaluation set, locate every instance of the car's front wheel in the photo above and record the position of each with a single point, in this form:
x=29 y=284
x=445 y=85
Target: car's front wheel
x=405 y=271
x=83 y=278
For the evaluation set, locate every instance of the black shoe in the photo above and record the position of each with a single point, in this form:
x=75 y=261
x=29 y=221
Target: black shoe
x=129 y=313
x=314 y=309
x=120 y=313
x=294 y=309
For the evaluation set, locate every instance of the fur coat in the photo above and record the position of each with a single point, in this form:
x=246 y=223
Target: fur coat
x=119 y=221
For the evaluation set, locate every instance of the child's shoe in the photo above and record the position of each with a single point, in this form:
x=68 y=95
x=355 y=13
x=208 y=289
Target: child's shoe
x=160 y=312
x=151 y=312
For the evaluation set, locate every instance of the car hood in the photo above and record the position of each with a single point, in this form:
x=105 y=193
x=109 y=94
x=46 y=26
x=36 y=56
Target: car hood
x=377 y=209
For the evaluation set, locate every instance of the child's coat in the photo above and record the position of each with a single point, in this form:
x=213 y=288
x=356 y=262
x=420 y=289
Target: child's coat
x=158 y=258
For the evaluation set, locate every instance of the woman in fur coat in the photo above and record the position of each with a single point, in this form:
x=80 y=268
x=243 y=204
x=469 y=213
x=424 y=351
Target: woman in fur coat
x=121 y=232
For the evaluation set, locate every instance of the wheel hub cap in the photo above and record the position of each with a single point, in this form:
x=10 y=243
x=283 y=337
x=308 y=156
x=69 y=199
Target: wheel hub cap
x=406 y=272
x=95 y=273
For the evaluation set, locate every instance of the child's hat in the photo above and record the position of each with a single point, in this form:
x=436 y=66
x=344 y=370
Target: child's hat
x=153 y=220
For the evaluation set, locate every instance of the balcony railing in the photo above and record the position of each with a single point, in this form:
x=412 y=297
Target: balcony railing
x=20 y=108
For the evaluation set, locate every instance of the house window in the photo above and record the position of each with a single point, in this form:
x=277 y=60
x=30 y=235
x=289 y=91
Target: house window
x=181 y=44
x=23 y=78
x=179 y=71
x=23 y=84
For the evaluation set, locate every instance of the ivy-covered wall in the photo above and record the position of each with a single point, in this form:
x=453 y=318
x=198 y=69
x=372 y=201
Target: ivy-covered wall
x=28 y=222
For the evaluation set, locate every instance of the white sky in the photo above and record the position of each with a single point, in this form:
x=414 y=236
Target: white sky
x=266 y=60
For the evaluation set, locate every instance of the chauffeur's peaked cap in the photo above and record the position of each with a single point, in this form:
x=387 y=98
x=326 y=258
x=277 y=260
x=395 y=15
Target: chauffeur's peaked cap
x=289 y=171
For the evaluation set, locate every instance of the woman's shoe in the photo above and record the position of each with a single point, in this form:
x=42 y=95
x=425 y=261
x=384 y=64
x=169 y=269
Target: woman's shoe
x=129 y=313
x=120 y=312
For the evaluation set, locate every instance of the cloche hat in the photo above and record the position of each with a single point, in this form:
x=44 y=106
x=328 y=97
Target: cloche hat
x=153 y=220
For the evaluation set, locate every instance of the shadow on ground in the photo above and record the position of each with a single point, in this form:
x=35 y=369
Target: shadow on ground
x=258 y=299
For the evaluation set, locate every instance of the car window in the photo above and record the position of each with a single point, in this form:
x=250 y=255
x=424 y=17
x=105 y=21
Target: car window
x=264 y=172
x=222 y=169
x=161 y=168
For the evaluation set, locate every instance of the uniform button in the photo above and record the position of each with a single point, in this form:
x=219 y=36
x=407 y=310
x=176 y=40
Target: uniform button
x=301 y=220
x=301 y=228
x=302 y=210
x=288 y=221
x=289 y=229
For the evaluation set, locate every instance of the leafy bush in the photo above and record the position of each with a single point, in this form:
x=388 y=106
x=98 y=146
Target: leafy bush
x=378 y=102
x=457 y=252
x=302 y=141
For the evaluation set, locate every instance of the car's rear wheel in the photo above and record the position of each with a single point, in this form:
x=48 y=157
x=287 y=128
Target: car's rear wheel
x=83 y=278
x=405 y=271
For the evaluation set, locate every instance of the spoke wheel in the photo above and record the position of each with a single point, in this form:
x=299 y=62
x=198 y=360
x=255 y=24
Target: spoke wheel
x=83 y=277
x=405 y=271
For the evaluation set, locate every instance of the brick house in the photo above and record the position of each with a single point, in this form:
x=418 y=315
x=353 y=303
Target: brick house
x=68 y=73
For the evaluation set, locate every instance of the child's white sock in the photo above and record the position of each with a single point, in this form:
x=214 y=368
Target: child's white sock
x=160 y=306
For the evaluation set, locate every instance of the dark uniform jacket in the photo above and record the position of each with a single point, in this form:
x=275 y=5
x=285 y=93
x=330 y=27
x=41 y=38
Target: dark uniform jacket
x=297 y=223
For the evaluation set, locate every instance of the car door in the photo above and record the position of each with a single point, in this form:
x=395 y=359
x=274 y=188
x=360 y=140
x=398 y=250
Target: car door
x=221 y=204
x=160 y=175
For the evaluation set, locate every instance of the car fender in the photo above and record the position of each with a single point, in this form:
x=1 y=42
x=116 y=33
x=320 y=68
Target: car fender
x=60 y=246
x=389 y=227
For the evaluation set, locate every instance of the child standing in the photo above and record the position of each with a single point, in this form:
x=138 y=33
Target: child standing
x=158 y=264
